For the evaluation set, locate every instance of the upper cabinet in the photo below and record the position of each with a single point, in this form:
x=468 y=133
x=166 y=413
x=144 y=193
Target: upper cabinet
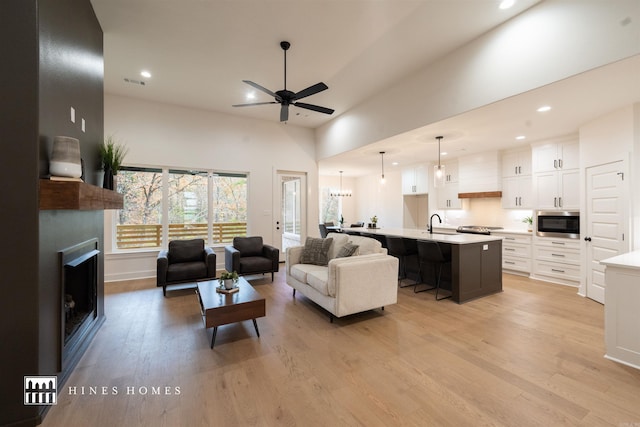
x=451 y=172
x=554 y=156
x=516 y=179
x=556 y=175
x=415 y=180
x=516 y=163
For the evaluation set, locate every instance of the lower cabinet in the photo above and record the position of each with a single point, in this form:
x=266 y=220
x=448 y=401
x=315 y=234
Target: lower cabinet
x=516 y=252
x=557 y=260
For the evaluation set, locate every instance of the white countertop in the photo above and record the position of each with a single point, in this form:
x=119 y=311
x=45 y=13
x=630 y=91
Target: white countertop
x=456 y=239
x=628 y=260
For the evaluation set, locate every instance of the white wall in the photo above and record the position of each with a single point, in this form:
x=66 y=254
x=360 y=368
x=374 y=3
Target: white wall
x=551 y=41
x=383 y=200
x=167 y=135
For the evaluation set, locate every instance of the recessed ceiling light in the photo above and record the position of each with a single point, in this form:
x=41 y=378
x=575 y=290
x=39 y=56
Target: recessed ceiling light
x=395 y=163
x=444 y=153
x=543 y=109
x=251 y=95
x=520 y=137
x=145 y=74
x=506 y=4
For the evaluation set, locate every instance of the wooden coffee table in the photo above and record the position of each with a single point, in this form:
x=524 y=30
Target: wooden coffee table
x=221 y=309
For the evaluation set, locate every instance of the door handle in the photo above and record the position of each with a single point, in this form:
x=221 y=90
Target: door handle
x=587 y=239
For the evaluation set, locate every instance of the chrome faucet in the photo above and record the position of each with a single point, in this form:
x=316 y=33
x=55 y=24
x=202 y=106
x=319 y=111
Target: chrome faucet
x=431 y=222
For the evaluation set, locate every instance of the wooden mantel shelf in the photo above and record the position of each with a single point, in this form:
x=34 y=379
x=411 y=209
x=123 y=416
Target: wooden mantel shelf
x=77 y=195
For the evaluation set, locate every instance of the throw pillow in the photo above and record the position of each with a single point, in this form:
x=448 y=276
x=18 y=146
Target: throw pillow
x=347 y=250
x=316 y=251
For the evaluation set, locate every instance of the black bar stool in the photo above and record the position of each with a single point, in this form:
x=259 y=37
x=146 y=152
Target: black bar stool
x=398 y=247
x=431 y=257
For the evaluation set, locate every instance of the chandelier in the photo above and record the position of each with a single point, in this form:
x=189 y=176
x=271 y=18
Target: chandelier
x=346 y=193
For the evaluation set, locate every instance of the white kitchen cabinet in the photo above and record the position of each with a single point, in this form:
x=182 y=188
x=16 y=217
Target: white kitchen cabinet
x=415 y=180
x=622 y=309
x=516 y=192
x=557 y=260
x=516 y=163
x=451 y=172
x=448 y=197
x=516 y=252
x=557 y=190
x=553 y=156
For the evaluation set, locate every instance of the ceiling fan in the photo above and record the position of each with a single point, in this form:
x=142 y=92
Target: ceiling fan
x=285 y=97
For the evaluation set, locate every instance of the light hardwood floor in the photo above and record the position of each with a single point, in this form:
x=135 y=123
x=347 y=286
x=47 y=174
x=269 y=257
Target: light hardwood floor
x=529 y=356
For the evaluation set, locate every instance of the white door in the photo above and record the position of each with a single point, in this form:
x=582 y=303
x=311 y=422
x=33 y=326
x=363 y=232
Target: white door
x=290 y=207
x=605 y=222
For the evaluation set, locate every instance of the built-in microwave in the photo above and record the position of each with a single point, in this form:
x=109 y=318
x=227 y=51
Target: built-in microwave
x=564 y=224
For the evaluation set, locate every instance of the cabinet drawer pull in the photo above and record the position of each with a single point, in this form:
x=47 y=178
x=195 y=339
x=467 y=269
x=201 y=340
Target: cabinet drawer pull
x=509 y=262
x=557 y=271
x=509 y=249
x=557 y=243
x=509 y=238
x=559 y=255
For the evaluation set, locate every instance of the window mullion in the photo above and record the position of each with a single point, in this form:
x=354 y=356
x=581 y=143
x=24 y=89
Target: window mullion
x=165 y=208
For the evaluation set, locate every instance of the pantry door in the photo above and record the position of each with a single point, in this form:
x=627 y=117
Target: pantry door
x=606 y=221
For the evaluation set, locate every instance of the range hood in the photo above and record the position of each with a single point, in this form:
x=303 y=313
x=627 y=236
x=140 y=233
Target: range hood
x=480 y=195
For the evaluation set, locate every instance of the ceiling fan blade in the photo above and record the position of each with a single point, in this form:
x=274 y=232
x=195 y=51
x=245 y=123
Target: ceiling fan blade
x=314 y=108
x=311 y=90
x=284 y=113
x=255 y=103
x=260 y=88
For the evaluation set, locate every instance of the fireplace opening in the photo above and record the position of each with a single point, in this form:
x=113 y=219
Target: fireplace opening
x=79 y=268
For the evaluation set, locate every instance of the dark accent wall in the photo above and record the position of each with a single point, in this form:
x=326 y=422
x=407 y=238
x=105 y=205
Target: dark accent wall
x=19 y=207
x=52 y=60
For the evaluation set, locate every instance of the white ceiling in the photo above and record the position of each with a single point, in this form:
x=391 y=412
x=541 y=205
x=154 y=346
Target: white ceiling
x=199 y=51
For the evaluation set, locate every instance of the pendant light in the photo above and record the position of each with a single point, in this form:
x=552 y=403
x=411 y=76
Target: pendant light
x=341 y=193
x=382 y=176
x=438 y=170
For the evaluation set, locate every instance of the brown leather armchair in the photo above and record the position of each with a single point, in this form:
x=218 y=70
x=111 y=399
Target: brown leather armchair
x=249 y=255
x=185 y=261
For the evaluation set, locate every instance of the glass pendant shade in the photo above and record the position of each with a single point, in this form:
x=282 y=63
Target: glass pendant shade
x=438 y=170
x=438 y=175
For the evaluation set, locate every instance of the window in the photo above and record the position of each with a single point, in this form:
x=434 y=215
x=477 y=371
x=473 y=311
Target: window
x=138 y=223
x=330 y=206
x=164 y=205
x=188 y=206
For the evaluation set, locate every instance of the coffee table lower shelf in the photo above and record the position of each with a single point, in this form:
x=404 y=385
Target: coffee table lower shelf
x=219 y=309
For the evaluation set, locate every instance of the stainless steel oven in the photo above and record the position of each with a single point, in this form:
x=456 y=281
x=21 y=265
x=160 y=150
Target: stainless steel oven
x=564 y=224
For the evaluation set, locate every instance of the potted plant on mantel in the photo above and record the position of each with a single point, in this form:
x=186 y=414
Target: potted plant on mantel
x=112 y=155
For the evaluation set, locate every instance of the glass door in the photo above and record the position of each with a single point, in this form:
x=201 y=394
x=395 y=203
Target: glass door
x=291 y=218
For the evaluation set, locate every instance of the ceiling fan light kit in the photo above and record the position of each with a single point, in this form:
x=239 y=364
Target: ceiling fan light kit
x=286 y=97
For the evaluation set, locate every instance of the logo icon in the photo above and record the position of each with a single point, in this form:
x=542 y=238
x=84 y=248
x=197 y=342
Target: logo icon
x=40 y=390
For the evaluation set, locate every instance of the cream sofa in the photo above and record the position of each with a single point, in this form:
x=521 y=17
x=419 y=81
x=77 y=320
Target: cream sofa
x=364 y=281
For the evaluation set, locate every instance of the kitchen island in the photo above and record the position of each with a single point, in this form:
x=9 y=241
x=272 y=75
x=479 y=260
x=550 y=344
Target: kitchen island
x=476 y=260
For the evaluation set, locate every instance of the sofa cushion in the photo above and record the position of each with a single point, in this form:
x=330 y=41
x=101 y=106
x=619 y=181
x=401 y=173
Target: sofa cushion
x=366 y=245
x=186 y=250
x=347 y=250
x=339 y=240
x=254 y=264
x=316 y=251
x=248 y=246
x=301 y=271
x=185 y=271
x=317 y=279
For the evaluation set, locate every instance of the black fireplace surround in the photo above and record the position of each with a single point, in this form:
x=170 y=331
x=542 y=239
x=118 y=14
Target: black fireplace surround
x=78 y=294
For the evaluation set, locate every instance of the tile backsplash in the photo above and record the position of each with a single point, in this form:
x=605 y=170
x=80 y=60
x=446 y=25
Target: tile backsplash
x=487 y=212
